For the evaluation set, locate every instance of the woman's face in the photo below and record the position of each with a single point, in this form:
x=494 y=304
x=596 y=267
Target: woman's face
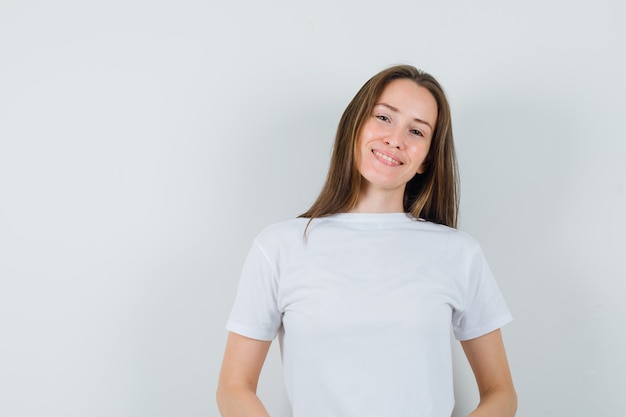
x=395 y=139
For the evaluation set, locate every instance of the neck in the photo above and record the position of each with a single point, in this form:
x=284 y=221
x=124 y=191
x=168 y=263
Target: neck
x=379 y=201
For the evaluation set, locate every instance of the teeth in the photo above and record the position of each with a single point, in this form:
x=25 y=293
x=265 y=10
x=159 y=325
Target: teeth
x=387 y=158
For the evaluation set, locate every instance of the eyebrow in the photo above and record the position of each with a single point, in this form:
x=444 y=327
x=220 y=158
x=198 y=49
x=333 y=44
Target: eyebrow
x=390 y=107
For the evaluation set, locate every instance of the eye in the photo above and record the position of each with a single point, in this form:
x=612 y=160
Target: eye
x=382 y=117
x=417 y=132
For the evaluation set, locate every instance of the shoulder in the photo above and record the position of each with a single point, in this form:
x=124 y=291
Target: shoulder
x=451 y=233
x=457 y=242
x=464 y=239
x=287 y=232
x=284 y=228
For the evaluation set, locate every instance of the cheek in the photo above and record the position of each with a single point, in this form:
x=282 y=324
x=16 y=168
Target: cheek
x=418 y=149
x=424 y=164
x=369 y=130
x=359 y=151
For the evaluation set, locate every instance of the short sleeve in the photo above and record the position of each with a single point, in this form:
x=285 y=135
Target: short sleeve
x=255 y=313
x=484 y=308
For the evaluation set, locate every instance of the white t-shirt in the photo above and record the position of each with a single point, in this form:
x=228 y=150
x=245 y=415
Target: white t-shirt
x=363 y=307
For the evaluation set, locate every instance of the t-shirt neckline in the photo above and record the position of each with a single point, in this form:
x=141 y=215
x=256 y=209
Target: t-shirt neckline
x=373 y=217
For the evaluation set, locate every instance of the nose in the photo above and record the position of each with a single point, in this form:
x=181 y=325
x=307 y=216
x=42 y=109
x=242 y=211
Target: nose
x=394 y=139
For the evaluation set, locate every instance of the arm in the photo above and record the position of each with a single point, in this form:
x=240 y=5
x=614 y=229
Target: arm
x=241 y=367
x=488 y=360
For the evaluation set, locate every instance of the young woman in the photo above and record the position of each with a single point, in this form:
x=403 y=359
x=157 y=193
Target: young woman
x=363 y=288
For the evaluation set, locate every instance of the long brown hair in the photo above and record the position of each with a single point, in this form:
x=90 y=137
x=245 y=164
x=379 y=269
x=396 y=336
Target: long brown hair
x=432 y=195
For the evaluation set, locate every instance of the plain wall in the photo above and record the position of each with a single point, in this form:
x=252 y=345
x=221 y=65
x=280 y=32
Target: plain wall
x=143 y=144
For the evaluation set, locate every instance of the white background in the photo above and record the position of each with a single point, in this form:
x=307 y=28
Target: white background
x=143 y=144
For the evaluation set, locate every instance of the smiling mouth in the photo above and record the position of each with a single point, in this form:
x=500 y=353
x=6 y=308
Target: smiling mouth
x=386 y=158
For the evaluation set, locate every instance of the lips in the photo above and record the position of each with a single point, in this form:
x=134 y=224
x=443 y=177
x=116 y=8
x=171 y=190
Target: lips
x=386 y=158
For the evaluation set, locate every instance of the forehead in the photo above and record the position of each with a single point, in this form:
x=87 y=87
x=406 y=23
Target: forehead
x=410 y=99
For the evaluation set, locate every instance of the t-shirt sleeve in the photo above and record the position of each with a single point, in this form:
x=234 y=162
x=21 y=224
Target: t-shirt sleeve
x=255 y=313
x=484 y=309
